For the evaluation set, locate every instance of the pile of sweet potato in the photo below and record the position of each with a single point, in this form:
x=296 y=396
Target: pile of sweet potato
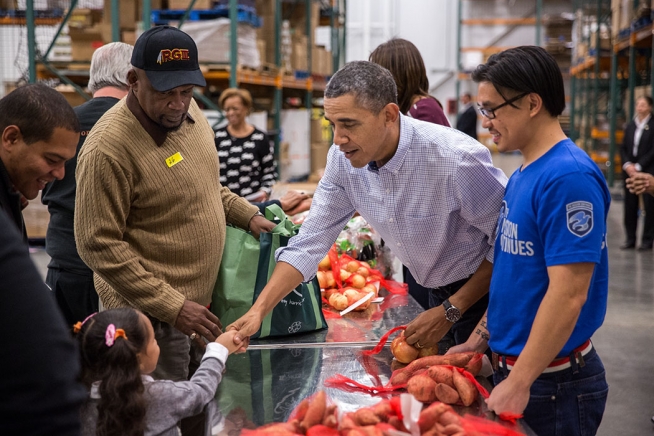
x=313 y=416
x=441 y=378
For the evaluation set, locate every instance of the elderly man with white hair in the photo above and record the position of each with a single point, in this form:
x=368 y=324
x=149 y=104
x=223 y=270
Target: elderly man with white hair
x=68 y=276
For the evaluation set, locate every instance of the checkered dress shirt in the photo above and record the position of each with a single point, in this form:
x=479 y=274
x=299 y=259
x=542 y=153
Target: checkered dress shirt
x=435 y=204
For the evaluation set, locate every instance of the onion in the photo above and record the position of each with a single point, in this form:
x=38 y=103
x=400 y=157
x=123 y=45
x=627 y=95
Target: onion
x=402 y=351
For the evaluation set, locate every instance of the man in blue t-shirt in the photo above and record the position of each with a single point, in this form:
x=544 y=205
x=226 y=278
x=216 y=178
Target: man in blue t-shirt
x=549 y=287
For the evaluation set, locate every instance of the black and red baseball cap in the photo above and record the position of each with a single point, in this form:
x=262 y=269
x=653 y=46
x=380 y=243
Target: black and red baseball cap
x=169 y=58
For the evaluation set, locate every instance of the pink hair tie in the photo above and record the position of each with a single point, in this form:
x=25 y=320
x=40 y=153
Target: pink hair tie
x=78 y=325
x=112 y=334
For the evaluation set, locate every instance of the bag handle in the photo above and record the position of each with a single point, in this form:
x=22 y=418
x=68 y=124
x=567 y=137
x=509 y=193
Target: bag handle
x=285 y=226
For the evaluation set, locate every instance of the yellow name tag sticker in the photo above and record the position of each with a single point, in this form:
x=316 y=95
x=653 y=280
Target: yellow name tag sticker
x=174 y=159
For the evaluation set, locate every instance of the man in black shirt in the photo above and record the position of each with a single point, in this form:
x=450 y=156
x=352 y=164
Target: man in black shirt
x=38 y=133
x=467 y=121
x=68 y=276
x=39 y=392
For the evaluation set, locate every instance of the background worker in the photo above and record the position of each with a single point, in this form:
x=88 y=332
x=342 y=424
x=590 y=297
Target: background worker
x=247 y=157
x=68 y=276
x=638 y=157
x=467 y=120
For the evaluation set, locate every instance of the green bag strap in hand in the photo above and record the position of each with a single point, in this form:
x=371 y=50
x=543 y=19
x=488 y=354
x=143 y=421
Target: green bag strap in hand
x=285 y=226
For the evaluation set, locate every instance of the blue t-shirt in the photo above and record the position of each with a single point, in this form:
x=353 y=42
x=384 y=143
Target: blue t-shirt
x=554 y=213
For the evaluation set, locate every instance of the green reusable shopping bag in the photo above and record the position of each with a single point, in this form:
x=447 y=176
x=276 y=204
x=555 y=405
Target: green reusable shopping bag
x=246 y=267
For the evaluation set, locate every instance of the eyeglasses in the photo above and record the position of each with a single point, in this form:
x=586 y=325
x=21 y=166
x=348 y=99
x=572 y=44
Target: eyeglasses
x=490 y=113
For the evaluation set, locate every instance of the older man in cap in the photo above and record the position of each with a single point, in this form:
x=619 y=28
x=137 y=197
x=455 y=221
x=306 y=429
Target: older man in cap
x=150 y=213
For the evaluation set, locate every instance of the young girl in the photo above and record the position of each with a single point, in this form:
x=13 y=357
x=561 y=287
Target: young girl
x=118 y=352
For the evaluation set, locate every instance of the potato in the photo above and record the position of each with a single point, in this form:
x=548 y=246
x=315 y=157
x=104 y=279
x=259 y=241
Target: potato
x=446 y=394
x=441 y=374
x=466 y=389
x=422 y=387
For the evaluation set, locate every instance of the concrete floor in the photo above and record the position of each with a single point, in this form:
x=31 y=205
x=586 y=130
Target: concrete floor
x=624 y=342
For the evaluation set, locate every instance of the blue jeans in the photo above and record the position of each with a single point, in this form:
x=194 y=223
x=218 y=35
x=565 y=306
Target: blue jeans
x=463 y=328
x=563 y=403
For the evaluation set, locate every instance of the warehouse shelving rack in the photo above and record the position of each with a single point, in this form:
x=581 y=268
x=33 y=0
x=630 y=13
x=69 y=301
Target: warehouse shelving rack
x=40 y=67
x=613 y=77
x=533 y=18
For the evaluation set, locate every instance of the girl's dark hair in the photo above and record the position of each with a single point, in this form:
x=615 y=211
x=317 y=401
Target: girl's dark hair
x=122 y=407
x=405 y=63
x=525 y=69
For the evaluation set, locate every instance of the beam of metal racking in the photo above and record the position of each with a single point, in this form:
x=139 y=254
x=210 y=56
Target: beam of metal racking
x=31 y=41
x=233 y=42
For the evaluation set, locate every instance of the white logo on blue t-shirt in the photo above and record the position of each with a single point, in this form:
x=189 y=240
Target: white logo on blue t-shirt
x=579 y=217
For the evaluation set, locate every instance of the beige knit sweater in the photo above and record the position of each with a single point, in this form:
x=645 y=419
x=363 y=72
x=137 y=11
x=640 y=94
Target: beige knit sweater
x=153 y=234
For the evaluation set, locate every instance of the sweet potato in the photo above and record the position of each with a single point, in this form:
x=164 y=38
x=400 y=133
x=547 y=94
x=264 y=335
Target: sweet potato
x=431 y=415
x=441 y=374
x=301 y=410
x=428 y=351
x=449 y=417
x=278 y=428
x=457 y=359
x=396 y=364
x=331 y=421
x=365 y=417
x=383 y=410
x=452 y=429
x=315 y=411
x=397 y=423
x=422 y=387
x=466 y=389
x=446 y=394
x=321 y=430
x=474 y=366
x=347 y=421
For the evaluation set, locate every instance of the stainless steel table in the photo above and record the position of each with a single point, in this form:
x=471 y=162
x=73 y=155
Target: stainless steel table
x=265 y=384
x=355 y=328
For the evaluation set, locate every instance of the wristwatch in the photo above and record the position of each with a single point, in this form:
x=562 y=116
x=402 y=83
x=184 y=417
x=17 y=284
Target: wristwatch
x=452 y=313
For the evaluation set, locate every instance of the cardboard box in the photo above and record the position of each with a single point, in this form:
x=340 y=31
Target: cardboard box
x=128 y=37
x=128 y=12
x=299 y=56
x=319 y=153
x=84 y=17
x=83 y=42
x=261 y=48
x=183 y=4
x=295 y=162
x=8 y=4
